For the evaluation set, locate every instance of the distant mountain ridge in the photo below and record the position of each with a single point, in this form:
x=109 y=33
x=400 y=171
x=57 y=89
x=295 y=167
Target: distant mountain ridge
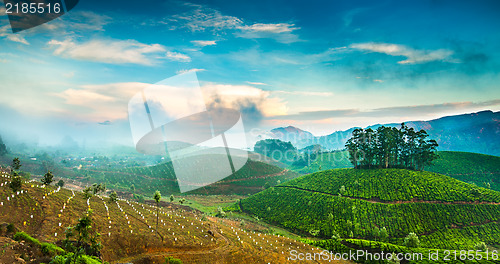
x=475 y=132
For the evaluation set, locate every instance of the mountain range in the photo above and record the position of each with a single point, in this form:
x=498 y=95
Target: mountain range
x=475 y=132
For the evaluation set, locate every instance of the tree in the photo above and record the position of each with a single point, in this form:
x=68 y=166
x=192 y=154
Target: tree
x=426 y=150
x=16 y=183
x=87 y=192
x=411 y=240
x=391 y=147
x=87 y=239
x=113 y=197
x=16 y=164
x=182 y=200
x=266 y=185
x=366 y=146
x=353 y=147
x=48 y=178
x=171 y=198
x=157 y=197
x=60 y=183
x=98 y=188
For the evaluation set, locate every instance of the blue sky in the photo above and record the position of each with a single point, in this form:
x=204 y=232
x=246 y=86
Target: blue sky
x=319 y=65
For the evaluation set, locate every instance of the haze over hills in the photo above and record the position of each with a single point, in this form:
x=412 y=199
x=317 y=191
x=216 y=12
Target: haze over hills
x=475 y=132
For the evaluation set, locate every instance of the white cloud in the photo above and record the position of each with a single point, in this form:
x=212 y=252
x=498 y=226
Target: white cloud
x=244 y=97
x=102 y=102
x=190 y=70
x=115 y=51
x=18 y=37
x=110 y=101
x=176 y=56
x=281 y=32
x=413 y=56
x=270 y=28
x=204 y=43
x=202 y=18
x=257 y=83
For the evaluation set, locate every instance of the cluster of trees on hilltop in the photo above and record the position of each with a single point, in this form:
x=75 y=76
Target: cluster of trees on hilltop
x=391 y=148
x=278 y=150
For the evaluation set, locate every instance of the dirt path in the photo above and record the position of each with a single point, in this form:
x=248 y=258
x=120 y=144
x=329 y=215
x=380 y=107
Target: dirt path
x=376 y=200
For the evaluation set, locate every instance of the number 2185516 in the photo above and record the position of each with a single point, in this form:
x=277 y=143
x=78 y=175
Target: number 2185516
x=33 y=8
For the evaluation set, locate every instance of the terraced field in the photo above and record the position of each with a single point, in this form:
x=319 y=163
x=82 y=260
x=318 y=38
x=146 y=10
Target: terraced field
x=356 y=204
x=128 y=229
x=250 y=179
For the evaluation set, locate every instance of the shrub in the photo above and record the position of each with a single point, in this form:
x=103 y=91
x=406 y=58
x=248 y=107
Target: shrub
x=84 y=259
x=411 y=240
x=172 y=260
x=60 y=183
x=16 y=183
x=314 y=232
x=11 y=228
x=87 y=193
x=383 y=234
x=220 y=212
x=23 y=236
x=113 y=197
x=481 y=246
x=51 y=249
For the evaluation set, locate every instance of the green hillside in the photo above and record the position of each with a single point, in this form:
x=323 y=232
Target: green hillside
x=356 y=204
x=469 y=167
x=250 y=179
x=482 y=170
x=322 y=161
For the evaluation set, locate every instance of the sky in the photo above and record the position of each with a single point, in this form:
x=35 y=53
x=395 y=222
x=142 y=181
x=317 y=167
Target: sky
x=321 y=66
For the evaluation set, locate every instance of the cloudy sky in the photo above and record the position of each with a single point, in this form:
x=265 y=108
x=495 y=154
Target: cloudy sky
x=318 y=65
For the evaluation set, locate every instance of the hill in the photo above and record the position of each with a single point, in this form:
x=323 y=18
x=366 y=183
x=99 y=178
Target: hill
x=322 y=161
x=474 y=132
x=355 y=205
x=479 y=169
x=291 y=133
x=128 y=229
x=482 y=170
x=250 y=179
